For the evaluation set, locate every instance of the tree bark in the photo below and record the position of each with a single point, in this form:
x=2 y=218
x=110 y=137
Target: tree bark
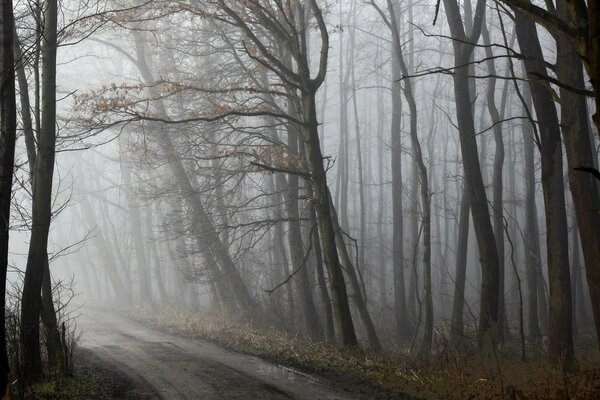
x=580 y=153
x=301 y=281
x=463 y=49
x=533 y=261
x=497 y=184
x=8 y=130
x=42 y=202
x=560 y=336
x=457 y=325
x=345 y=326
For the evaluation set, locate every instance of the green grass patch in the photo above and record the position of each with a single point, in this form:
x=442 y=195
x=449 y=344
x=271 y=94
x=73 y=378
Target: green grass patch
x=83 y=385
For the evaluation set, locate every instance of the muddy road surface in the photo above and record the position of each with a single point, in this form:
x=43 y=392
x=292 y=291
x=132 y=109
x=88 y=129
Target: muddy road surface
x=159 y=365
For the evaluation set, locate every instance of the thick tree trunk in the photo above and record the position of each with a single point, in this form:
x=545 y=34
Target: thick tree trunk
x=8 y=128
x=42 y=202
x=343 y=318
x=488 y=316
x=301 y=280
x=280 y=252
x=560 y=336
x=580 y=153
x=356 y=292
x=54 y=345
x=48 y=314
x=329 y=329
x=575 y=266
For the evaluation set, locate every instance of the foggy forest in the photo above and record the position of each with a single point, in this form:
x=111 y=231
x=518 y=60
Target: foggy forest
x=299 y=199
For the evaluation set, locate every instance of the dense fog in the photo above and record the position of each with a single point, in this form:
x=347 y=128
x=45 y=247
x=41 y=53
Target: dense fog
x=391 y=173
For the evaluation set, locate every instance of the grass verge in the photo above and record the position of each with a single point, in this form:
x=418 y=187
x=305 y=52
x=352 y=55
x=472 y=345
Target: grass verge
x=82 y=385
x=447 y=374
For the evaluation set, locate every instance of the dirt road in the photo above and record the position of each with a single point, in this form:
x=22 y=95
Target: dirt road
x=164 y=366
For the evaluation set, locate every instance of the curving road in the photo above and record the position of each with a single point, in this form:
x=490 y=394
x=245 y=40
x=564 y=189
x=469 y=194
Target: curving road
x=165 y=366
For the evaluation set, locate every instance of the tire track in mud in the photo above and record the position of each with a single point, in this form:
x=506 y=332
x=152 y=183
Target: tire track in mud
x=165 y=366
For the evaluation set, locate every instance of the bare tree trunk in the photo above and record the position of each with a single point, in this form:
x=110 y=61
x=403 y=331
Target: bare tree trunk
x=202 y=227
x=457 y=325
x=343 y=164
x=560 y=336
x=402 y=320
x=106 y=255
x=463 y=49
x=345 y=326
x=414 y=239
x=325 y=299
x=356 y=291
x=157 y=266
x=42 y=202
x=48 y=314
x=54 y=346
x=533 y=261
x=580 y=153
x=8 y=131
x=381 y=248
x=301 y=280
x=143 y=269
x=280 y=251
x=25 y=105
x=575 y=266
x=423 y=181
x=359 y=158
x=497 y=187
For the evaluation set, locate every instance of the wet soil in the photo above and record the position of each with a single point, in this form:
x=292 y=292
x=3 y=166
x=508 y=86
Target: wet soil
x=135 y=361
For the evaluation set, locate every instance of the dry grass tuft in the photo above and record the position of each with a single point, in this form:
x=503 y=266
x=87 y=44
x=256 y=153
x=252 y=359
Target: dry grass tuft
x=445 y=375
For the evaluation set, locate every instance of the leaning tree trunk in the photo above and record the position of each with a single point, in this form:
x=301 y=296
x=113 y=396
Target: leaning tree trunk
x=343 y=318
x=301 y=279
x=355 y=289
x=329 y=329
x=203 y=228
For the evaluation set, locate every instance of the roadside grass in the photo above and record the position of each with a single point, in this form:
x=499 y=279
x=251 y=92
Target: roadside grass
x=83 y=385
x=91 y=379
x=447 y=374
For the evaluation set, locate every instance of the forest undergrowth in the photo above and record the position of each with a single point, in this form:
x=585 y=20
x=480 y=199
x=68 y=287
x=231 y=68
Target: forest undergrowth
x=444 y=374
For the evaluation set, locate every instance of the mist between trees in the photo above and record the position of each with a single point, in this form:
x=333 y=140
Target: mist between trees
x=383 y=172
